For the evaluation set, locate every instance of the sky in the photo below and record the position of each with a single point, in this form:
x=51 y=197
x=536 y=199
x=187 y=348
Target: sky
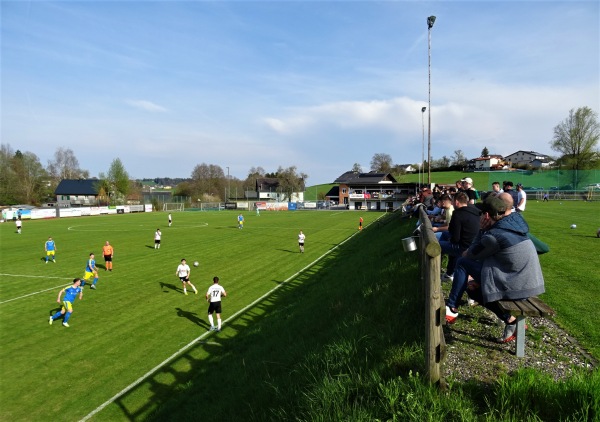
x=320 y=85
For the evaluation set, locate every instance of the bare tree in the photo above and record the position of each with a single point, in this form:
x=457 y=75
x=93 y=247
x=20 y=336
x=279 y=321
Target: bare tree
x=458 y=158
x=208 y=179
x=576 y=138
x=65 y=166
x=381 y=163
x=356 y=168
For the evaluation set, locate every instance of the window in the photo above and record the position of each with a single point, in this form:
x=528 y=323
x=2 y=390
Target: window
x=343 y=190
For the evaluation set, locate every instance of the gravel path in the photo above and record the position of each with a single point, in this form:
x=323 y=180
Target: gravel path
x=473 y=353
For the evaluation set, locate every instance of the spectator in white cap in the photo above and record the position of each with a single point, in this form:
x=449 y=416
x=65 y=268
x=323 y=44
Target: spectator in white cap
x=467 y=187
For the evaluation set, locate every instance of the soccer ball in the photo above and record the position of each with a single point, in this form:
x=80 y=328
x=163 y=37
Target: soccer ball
x=196 y=263
x=573 y=226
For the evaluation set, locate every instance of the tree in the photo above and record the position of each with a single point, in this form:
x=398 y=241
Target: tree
x=381 y=163
x=485 y=152
x=119 y=178
x=290 y=181
x=356 y=168
x=208 y=179
x=576 y=138
x=22 y=177
x=458 y=158
x=65 y=166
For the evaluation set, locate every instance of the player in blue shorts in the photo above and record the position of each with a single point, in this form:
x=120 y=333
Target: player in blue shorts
x=67 y=307
x=90 y=270
x=50 y=248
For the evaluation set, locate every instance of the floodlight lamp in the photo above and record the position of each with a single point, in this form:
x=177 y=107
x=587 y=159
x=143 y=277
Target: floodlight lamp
x=430 y=21
x=423 y=109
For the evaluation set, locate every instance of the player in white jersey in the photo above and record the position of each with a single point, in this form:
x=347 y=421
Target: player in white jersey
x=157 y=237
x=213 y=295
x=301 y=238
x=183 y=272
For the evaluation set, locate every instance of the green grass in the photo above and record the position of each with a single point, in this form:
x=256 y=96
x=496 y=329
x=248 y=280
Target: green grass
x=138 y=316
x=342 y=339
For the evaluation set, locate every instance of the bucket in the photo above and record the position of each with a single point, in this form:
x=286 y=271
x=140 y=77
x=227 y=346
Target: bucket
x=409 y=244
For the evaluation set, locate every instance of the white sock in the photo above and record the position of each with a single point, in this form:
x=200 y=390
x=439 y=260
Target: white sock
x=219 y=323
x=210 y=319
x=184 y=290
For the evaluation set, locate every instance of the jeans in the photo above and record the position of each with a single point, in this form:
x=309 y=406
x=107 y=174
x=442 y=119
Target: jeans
x=465 y=267
x=453 y=250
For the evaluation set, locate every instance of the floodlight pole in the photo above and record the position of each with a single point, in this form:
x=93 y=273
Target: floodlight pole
x=421 y=174
x=228 y=186
x=430 y=22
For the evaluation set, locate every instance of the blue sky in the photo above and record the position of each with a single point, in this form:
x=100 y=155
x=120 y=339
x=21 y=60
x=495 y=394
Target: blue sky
x=167 y=85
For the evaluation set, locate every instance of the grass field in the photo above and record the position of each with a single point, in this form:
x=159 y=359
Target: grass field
x=336 y=340
x=138 y=316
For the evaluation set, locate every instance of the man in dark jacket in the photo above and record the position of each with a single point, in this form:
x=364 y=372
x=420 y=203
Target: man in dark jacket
x=503 y=263
x=463 y=227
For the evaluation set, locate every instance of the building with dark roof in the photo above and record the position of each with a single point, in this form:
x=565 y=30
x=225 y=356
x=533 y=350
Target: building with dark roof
x=372 y=191
x=77 y=193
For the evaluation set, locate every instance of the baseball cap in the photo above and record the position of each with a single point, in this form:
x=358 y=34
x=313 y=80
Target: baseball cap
x=468 y=180
x=492 y=205
x=519 y=185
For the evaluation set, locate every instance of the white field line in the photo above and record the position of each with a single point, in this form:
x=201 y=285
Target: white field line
x=34 y=293
x=191 y=343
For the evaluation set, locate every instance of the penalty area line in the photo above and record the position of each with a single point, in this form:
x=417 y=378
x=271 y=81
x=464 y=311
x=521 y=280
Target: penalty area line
x=191 y=343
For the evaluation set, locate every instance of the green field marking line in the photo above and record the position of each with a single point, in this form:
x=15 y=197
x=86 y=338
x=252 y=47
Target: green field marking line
x=191 y=343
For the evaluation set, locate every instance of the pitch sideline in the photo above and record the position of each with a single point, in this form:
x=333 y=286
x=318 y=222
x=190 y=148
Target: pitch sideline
x=191 y=343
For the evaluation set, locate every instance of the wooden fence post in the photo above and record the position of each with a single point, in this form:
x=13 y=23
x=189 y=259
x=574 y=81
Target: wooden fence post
x=434 y=301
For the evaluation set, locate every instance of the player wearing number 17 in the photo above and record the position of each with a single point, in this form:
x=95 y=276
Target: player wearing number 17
x=213 y=295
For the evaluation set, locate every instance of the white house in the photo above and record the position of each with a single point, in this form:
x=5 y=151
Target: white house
x=525 y=157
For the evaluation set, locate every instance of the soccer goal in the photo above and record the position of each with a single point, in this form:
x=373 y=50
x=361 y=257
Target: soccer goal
x=173 y=206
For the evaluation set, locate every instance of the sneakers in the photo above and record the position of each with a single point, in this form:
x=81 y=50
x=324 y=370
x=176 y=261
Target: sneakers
x=447 y=277
x=451 y=316
x=218 y=330
x=213 y=328
x=185 y=293
x=50 y=320
x=510 y=333
x=46 y=262
x=65 y=325
x=93 y=287
x=195 y=292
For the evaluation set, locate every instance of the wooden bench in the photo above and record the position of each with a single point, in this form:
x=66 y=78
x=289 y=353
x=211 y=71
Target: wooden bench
x=532 y=307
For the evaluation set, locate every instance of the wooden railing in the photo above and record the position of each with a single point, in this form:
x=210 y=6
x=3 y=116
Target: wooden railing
x=431 y=254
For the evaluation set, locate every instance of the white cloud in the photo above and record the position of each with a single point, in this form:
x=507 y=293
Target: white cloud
x=146 y=106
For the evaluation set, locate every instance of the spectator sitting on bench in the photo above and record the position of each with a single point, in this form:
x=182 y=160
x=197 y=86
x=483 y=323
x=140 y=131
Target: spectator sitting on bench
x=462 y=229
x=440 y=224
x=503 y=263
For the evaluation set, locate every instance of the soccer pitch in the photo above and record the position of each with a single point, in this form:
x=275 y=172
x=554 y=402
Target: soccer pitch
x=137 y=337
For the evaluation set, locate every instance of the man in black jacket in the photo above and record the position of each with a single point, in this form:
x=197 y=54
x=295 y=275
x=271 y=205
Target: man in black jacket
x=463 y=227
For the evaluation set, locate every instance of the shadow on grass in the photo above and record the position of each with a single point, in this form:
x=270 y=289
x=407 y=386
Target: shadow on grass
x=169 y=286
x=337 y=310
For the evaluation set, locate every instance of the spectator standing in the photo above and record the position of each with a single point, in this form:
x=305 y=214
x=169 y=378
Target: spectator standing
x=467 y=187
x=508 y=188
x=521 y=197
